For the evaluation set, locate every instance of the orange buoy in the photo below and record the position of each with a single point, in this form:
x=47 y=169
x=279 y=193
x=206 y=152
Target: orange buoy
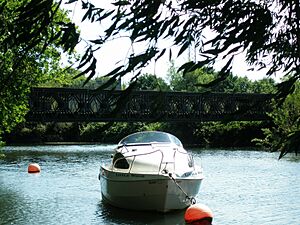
x=34 y=168
x=198 y=214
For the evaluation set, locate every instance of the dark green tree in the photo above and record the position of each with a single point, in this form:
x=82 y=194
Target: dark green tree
x=265 y=85
x=192 y=81
x=196 y=81
x=31 y=43
x=285 y=131
x=151 y=82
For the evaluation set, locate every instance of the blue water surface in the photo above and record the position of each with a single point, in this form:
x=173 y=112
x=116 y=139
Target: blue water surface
x=241 y=187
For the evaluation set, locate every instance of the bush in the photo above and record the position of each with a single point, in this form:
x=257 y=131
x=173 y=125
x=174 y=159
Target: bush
x=230 y=135
x=284 y=135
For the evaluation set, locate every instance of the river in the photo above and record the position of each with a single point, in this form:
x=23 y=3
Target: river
x=240 y=187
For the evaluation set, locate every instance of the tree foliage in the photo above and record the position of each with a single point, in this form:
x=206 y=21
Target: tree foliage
x=196 y=81
x=151 y=82
x=267 y=31
x=31 y=43
x=285 y=133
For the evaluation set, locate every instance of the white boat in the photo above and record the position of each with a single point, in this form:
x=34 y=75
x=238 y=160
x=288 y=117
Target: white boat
x=150 y=171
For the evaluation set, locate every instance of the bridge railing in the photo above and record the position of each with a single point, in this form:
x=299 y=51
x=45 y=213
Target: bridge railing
x=75 y=105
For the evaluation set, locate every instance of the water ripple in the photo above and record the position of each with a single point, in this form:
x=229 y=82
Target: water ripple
x=241 y=187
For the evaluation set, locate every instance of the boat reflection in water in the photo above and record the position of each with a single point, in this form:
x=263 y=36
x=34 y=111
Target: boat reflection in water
x=150 y=171
x=114 y=215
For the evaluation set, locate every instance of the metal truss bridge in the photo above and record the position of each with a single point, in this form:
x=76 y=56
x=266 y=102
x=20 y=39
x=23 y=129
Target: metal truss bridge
x=82 y=105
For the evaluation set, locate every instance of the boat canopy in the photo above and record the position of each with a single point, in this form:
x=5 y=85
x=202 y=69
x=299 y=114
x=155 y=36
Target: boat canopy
x=147 y=137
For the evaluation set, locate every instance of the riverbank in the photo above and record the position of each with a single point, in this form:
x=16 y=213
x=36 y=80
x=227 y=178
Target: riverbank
x=189 y=146
x=201 y=135
x=57 y=143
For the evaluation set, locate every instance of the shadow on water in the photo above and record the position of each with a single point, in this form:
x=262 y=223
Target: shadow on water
x=292 y=158
x=41 y=154
x=8 y=201
x=113 y=215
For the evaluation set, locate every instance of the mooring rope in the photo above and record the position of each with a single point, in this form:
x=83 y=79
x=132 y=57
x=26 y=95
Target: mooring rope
x=191 y=199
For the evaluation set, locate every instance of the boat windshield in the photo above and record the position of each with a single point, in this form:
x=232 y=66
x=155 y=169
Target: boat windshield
x=150 y=137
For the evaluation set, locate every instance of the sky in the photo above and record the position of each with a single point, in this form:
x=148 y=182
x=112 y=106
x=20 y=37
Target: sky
x=114 y=53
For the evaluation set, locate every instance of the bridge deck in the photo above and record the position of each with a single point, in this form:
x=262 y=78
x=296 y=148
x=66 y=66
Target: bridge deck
x=81 y=105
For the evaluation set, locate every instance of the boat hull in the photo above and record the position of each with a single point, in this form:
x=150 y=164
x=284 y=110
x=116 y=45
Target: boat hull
x=147 y=191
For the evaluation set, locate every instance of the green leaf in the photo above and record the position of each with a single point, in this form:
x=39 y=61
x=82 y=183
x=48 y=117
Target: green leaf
x=97 y=41
x=92 y=67
x=183 y=48
x=160 y=55
x=186 y=66
x=113 y=72
x=121 y=3
x=71 y=1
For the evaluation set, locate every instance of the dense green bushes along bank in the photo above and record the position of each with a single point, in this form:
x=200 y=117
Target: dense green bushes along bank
x=213 y=134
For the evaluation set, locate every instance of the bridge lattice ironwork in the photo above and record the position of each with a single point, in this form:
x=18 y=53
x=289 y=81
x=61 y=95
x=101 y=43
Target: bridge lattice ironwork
x=82 y=105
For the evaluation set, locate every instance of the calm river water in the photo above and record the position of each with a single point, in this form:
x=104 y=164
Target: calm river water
x=241 y=187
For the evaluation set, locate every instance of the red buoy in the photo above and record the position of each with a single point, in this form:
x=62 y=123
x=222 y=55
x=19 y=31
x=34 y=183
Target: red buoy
x=198 y=214
x=34 y=168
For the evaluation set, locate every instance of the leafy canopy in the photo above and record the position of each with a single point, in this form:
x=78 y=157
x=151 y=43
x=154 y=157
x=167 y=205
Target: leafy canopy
x=32 y=37
x=284 y=135
x=267 y=31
